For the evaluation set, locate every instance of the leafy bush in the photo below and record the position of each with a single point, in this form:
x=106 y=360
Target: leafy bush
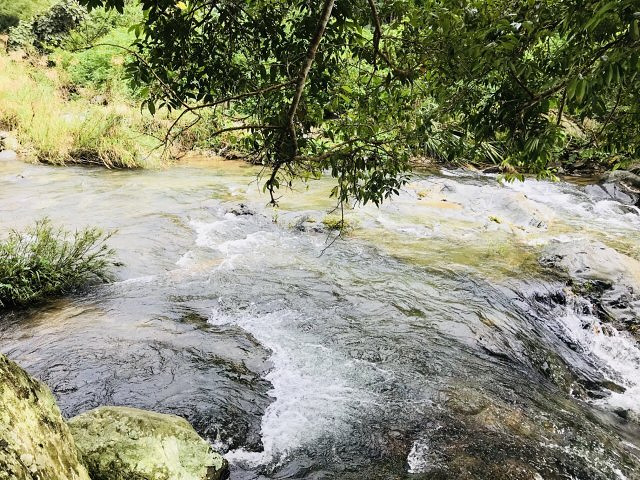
x=47 y=29
x=45 y=261
x=14 y=11
x=101 y=67
x=99 y=24
x=21 y=36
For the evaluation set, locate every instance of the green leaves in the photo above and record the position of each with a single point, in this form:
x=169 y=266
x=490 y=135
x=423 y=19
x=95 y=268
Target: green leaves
x=49 y=28
x=460 y=81
x=581 y=90
x=599 y=16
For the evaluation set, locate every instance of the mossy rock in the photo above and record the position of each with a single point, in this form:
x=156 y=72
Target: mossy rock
x=35 y=442
x=119 y=443
x=337 y=222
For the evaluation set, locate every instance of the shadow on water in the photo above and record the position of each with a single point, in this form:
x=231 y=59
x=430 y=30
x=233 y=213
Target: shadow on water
x=430 y=345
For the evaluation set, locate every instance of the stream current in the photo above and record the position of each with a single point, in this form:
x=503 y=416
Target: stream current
x=429 y=343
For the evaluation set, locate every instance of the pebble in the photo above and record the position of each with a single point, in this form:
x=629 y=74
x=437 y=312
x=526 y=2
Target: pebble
x=10 y=143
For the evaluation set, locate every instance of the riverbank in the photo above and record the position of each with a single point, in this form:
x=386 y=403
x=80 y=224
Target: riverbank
x=76 y=107
x=51 y=115
x=55 y=122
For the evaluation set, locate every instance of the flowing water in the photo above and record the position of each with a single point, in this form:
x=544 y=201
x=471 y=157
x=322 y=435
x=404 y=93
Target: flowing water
x=428 y=343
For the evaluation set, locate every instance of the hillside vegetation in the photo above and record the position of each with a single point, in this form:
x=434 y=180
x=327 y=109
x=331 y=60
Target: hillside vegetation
x=13 y=11
x=65 y=95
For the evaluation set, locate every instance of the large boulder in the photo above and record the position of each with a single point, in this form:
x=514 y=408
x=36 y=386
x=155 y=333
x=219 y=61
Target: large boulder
x=620 y=185
x=35 y=442
x=120 y=443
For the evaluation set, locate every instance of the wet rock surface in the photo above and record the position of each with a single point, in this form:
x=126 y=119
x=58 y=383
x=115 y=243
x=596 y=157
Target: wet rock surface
x=608 y=279
x=620 y=185
x=120 y=443
x=8 y=156
x=8 y=145
x=210 y=376
x=35 y=443
x=241 y=210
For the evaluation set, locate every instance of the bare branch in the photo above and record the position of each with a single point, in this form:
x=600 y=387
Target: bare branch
x=306 y=68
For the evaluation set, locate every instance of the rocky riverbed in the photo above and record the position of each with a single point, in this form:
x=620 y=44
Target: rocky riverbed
x=467 y=329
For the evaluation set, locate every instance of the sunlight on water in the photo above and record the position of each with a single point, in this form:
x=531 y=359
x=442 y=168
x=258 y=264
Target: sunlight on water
x=429 y=340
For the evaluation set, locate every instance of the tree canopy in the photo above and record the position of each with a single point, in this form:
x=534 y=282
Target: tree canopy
x=360 y=88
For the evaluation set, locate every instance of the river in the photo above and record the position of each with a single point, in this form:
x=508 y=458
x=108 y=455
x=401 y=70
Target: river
x=428 y=343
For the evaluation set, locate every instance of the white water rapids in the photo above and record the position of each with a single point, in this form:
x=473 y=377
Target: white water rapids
x=428 y=342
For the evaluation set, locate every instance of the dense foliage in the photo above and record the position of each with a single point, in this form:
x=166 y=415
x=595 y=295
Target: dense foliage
x=359 y=88
x=44 y=261
x=14 y=11
x=48 y=28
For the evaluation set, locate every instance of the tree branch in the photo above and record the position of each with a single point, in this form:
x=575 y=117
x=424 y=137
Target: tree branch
x=232 y=98
x=325 y=16
x=306 y=68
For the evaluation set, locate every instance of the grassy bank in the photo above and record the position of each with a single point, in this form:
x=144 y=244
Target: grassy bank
x=65 y=95
x=76 y=108
x=57 y=122
x=66 y=103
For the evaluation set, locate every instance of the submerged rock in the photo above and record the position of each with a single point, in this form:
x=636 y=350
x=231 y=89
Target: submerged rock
x=630 y=179
x=241 y=210
x=35 y=442
x=120 y=443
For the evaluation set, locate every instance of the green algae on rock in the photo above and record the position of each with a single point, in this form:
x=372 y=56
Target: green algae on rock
x=120 y=443
x=35 y=442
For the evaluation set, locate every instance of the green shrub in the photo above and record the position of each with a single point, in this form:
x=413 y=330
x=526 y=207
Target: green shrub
x=44 y=261
x=49 y=28
x=101 y=67
x=99 y=24
x=14 y=11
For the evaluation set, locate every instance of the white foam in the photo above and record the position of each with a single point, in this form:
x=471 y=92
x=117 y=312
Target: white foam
x=617 y=353
x=206 y=231
x=418 y=458
x=142 y=279
x=186 y=260
x=572 y=203
x=315 y=389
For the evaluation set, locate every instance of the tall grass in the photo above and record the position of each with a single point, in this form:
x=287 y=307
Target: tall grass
x=57 y=127
x=45 y=261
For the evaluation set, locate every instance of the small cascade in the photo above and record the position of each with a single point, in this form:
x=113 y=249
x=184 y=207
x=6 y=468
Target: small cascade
x=431 y=340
